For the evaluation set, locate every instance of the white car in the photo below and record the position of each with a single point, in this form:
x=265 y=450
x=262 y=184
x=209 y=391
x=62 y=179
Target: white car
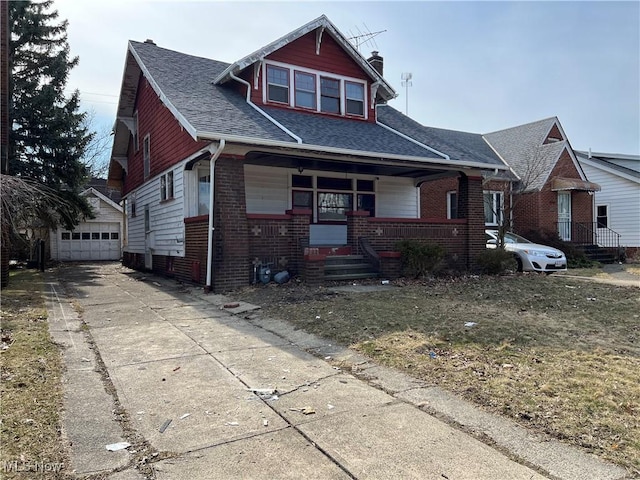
x=531 y=257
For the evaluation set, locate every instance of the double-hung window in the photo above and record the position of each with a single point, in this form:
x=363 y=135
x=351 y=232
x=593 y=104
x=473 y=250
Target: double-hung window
x=355 y=98
x=305 y=84
x=602 y=216
x=277 y=84
x=166 y=186
x=329 y=95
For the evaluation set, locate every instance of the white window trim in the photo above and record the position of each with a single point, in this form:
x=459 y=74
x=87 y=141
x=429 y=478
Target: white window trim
x=317 y=73
x=315 y=190
x=146 y=155
x=167 y=188
x=346 y=97
x=607 y=216
x=450 y=203
x=289 y=81
x=496 y=213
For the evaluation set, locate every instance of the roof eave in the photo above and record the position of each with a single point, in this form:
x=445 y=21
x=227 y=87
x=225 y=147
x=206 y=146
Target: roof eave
x=320 y=22
x=377 y=156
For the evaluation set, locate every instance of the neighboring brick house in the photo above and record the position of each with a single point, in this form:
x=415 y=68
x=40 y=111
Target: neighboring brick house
x=286 y=156
x=546 y=190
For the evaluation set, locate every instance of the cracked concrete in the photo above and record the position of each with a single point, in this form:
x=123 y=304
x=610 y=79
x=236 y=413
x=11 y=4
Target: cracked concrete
x=185 y=372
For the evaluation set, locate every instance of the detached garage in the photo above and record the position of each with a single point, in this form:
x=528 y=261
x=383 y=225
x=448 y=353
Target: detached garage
x=98 y=238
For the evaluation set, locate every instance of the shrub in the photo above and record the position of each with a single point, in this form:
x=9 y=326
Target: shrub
x=418 y=258
x=496 y=261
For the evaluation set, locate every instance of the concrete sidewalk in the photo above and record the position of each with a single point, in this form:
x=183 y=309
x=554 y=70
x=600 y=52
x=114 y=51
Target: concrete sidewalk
x=201 y=391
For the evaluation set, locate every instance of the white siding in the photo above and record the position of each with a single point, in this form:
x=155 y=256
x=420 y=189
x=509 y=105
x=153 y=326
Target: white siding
x=622 y=196
x=397 y=198
x=166 y=219
x=107 y=220
x=267 y=189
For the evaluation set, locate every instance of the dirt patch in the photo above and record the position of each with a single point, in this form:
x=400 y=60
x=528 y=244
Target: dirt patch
x=557 y=355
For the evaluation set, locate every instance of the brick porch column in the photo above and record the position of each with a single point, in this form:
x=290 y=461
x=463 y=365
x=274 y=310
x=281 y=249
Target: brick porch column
x=231 y=262
x=300 y=220
x=357 y=223
x=471 y=207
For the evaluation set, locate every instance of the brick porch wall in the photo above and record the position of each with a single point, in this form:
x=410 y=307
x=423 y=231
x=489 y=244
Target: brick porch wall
x=279 y=239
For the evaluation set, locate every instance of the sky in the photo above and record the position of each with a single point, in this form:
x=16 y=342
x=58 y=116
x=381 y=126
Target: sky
x=476 y=66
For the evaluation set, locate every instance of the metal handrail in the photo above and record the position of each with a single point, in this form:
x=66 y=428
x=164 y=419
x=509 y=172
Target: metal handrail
x=591 y=233
x=370 y=253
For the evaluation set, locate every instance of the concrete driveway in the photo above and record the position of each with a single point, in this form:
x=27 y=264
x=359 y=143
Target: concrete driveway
x=194 y=390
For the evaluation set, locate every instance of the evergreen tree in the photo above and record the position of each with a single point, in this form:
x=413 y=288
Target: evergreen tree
x=49 y=136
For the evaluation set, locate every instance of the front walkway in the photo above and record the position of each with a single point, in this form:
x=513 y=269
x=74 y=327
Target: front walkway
x=201 y=392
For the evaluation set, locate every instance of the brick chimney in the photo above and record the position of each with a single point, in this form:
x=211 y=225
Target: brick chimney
x=376 y=61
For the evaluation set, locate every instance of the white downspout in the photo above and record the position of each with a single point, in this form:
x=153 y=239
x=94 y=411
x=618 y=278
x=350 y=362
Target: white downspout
x=212 y=164
x=262 y=112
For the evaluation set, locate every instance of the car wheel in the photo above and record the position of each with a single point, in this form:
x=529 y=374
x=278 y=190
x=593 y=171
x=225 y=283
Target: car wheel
x=519 y=263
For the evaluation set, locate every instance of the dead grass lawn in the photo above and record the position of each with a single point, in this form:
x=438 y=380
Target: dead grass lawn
x=30 y=372
x=558 y=355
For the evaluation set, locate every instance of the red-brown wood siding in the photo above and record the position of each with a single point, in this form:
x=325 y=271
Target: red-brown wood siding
x=302 y=53
x=170 y=143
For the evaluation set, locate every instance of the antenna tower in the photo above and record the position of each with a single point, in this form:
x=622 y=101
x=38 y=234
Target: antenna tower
x=406 y=83
x=364 y=38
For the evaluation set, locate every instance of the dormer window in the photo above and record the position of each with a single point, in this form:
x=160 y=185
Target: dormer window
x=314 y=90
x=355 y=98
x=329 y=95
x=305 y=90
x=277 y=84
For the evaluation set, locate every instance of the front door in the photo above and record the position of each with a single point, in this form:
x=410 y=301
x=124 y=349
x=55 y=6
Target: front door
x=564 y=215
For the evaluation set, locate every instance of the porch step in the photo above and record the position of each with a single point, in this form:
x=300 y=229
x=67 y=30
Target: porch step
x=600 y=254
x=348 y=267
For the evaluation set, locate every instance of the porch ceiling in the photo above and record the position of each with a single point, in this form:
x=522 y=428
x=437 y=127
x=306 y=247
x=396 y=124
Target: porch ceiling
x=350 y=165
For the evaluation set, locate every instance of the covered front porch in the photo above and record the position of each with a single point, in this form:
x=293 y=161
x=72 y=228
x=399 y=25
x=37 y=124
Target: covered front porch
x=292 y=212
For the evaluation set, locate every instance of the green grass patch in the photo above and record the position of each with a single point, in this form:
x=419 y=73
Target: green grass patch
x=31 y=390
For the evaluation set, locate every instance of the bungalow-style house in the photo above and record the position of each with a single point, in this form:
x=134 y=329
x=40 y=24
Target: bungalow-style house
x=617 y=204
x=98 y=238
x=545 y=190
x=282 y=159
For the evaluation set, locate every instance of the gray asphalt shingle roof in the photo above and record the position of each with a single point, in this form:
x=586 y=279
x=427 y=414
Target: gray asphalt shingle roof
x=187 y=83
x=458 y=145
x=523 y=149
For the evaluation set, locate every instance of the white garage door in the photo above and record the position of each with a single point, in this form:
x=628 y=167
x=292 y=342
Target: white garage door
x=90 y=241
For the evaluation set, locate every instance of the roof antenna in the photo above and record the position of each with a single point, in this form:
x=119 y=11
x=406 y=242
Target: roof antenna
x=364 y=38
x=406 y=83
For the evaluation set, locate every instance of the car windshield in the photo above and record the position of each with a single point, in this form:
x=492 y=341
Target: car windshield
x=513 y=238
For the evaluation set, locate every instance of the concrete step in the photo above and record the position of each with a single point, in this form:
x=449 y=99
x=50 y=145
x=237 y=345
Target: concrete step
x=351 y=276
